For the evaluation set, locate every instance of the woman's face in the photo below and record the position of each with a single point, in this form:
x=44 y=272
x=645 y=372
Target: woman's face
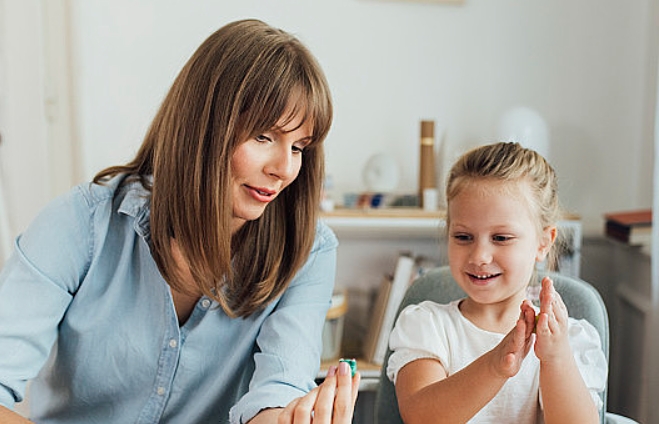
x=493 y=240
x=265 y=165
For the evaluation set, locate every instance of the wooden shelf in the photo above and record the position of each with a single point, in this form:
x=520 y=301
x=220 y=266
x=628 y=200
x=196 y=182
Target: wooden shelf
x=400 y=213
x=371 y=213
x=386 y=222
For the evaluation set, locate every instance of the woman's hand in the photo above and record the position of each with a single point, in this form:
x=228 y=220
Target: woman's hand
x=10 y=417
x=333 y=402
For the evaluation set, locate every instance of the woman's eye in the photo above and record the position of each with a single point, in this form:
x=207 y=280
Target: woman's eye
x=298 y=149
x=262 y=138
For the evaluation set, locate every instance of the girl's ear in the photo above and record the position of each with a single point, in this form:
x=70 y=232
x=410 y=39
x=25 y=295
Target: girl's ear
x=547 y=239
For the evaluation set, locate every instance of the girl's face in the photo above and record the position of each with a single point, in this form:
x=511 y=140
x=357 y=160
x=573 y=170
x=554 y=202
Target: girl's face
x=265 y=165
x=493 y=241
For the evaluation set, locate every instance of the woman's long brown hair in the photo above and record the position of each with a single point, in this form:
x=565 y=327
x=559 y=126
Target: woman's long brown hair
x=243 y=80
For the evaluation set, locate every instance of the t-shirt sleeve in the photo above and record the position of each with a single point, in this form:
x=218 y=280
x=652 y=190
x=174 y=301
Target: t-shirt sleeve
x=409 y=339
x=589 y=356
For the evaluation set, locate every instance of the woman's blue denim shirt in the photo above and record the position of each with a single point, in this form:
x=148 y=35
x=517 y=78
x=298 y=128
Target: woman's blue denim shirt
x=85 y=312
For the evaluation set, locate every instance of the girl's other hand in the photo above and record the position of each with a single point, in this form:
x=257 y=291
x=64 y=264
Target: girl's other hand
x=552 y=325
x=333 y=402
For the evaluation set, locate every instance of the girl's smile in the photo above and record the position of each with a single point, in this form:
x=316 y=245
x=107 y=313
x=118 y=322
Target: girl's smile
x=483 y=280
x=493 y=241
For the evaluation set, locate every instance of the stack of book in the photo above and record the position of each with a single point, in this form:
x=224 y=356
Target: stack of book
x=630 y=227
x=389 y=296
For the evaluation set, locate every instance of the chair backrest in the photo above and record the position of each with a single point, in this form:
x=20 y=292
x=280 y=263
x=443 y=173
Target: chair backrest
x=438 y=285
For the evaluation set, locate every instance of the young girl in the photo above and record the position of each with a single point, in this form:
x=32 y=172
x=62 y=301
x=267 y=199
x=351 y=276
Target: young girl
x=469 y=360
x=191 y=284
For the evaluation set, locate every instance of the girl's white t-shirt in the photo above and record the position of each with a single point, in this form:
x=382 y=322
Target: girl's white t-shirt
x=432 y=330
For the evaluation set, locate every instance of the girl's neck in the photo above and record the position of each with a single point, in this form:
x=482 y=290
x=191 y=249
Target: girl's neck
x=497 y=317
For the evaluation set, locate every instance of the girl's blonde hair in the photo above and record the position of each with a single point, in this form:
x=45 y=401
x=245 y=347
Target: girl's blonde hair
x=242 y=81
x=508 y=161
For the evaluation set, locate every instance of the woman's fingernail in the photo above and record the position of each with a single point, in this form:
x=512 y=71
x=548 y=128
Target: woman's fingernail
x=352 y=363
x=344 y=368
x=331 y=372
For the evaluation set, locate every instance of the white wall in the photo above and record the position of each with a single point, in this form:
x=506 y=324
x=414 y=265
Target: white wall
x=588 y=67
x=23 y=163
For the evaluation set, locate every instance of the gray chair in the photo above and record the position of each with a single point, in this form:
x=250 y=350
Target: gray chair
x=438 y=285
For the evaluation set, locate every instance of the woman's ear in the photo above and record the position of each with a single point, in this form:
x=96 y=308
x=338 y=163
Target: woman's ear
x=547 y=239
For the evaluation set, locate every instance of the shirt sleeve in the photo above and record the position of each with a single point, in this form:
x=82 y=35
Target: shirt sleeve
x=589 y=356
x=36 y=287
x=408 y=343
x=290 y=340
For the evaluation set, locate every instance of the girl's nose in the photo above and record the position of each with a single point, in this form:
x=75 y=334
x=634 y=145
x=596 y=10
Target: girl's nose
x=480 y=254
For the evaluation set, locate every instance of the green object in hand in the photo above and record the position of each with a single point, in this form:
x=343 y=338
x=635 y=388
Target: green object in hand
x=537 y=317
x=352 y=363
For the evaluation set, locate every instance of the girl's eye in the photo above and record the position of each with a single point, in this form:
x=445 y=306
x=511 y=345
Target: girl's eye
x=461 y=238
x=501 y=238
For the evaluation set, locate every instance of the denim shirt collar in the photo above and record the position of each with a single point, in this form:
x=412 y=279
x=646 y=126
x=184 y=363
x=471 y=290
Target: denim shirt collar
x=136 y=203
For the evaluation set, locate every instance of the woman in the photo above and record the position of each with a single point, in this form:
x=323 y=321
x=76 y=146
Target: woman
x=191 y=284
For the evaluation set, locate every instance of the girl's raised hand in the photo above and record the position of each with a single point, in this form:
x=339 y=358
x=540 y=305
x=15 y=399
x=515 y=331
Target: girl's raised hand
x=509 y=354
x=333 y=402
x=552 y=341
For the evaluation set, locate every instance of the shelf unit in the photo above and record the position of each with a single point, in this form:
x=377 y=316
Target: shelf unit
x=369 y=242
x=630 y=313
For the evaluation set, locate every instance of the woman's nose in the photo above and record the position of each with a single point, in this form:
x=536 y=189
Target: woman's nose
x=281 y=164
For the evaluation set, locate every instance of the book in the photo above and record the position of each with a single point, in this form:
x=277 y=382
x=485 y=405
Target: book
x=631 y=227
x=403 y=274
x=376 y=319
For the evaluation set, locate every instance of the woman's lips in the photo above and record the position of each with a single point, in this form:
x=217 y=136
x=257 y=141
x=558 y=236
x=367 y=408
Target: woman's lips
x=261 y=194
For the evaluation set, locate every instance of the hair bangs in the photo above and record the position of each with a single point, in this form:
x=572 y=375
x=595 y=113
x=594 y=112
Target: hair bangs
x=285 y=84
